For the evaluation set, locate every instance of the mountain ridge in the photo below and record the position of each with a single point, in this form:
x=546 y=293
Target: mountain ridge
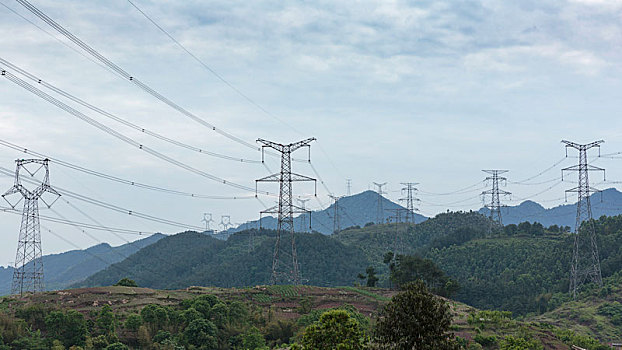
x=355 y=210
x=66 y=268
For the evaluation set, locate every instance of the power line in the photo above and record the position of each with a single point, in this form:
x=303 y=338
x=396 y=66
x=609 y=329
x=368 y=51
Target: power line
x=535 y=183
x=210 y=69
x=113 y=207
x=118 y=179
x=127 y=76
x=226 y=82
x=459 y=191
x=57 y=39
x=121 y=120
x=80 y=224
x=540 y=173
x=118 y=135
x=540 y=192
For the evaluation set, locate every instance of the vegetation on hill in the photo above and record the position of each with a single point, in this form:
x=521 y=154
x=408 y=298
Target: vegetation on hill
x=64 y=269
x=597 y=312
x=521 y=268
x=192 y=258
x=261 y=317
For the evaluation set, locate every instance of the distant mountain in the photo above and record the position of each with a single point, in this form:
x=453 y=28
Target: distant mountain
x=64 y=269
x=608 y=203
x=355 y=210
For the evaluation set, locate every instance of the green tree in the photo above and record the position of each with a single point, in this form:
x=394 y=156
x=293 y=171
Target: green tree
x=372 y=279
x=201 y=333
x=415 y=319
x=133 y=321
x=253 y=339
x=105 y=321
x=410 y=268
x=126 y=282
x=33 y=341
x=154 y=315
x=69 y=327
x=97 y=343
x=117 y=346
x=335 y=330
x=519 y=343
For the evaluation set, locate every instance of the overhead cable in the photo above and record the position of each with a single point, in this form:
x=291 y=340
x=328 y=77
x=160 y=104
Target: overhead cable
x=129 y=77
x=118 y=135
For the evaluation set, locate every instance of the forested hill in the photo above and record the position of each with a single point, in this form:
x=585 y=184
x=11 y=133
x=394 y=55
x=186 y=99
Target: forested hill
x=355 y=210
x=607 y=202
x=521 y=268
x=192 y=258
x=64 y=269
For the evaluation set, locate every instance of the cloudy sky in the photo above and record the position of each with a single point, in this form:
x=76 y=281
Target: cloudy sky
x=427 y=91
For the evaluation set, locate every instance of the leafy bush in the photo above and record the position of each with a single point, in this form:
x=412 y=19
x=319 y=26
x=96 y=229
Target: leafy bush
x=126 y=282
x=485 y=340
x=613 y=311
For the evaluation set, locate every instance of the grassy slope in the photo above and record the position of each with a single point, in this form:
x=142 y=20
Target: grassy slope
x=275 y=302
x=583 y=315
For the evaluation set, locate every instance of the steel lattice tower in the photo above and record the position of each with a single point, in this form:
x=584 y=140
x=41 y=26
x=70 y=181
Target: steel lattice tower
x=286 y=270
x=207 y=218
x=410 y=199
x=28 y=273
x=398 y=243
x=585 y=260
x=225 y=222
x=379 y=207
x=495 y=193
x=348 y=187
x=303 y=217
x=336 y=223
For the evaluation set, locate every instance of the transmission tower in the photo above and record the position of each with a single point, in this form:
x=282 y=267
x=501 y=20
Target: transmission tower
x=495 y=193
x=379 y=207
x=225 y=222
x=398 y=243
x=285 y=270
x=336 y=224
x=409 y=191
x=348 y=187
x=28 y=273
x=303 y=217
x=585 y=260
x=207 y=218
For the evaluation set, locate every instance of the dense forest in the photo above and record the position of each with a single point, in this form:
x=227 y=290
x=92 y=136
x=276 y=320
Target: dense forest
x=521 y=268
x=192 y=258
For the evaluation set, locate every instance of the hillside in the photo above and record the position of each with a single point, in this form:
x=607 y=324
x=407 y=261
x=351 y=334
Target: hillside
x=608 y=203
x=520 y=271
x=192 y=258
x=523 y=269
x=65 y=269
x=278 y=314
x=597 y=313
x=355 y=210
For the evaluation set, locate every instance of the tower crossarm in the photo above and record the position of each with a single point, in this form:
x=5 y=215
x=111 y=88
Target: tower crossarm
x=579 y=146
x=286 y=148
